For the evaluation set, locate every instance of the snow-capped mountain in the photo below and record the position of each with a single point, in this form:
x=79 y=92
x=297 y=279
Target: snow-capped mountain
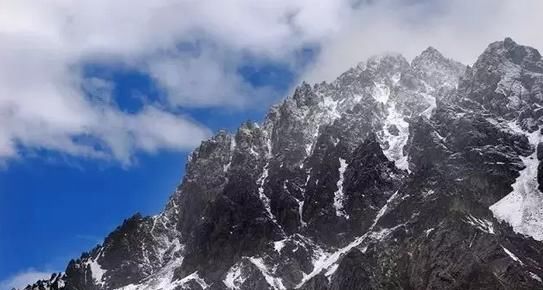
x=397 y=175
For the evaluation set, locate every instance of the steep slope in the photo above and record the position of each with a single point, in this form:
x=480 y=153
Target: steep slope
x=397 y=175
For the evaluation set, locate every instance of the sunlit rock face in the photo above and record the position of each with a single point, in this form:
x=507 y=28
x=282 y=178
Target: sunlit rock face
x=397 y=175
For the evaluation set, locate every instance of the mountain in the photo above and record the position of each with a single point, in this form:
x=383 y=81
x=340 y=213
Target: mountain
x=397 y=175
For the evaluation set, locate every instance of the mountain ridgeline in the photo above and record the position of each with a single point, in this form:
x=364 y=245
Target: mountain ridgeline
x=397 y=175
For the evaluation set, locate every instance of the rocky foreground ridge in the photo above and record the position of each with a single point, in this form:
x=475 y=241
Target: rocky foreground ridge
x=397 y=175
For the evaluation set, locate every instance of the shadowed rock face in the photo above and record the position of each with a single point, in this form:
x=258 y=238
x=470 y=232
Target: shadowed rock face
x=397 y=175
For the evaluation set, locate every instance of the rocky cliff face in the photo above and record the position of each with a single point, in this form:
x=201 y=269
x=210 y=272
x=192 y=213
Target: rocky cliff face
x=397 y=175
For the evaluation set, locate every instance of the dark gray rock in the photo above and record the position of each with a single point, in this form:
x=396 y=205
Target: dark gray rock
x=319 y=196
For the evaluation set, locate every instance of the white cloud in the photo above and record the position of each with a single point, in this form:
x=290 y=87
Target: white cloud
x=45 y=45
x=202 y=81
x=43 y=104
x=460 y=29
x=21 y=280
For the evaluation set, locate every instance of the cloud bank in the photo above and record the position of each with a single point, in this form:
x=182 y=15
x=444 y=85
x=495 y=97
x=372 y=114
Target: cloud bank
x=460 y=29
x=21 y=280
x=193 y=50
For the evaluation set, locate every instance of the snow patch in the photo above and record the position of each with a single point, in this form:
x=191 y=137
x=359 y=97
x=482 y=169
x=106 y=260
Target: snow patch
x=163 y=278
x=96 y=269
x=381 y=93
x=339 y=195
x=383 y=210
x=395 y=142
x=482 y=224
x=513 y=256
x=332 y=106
x=193 y=277
x=327 y=261
x=275 y=282
x=265 y=200
x=233 y=145
x=61 y=283
x=300 y=212
x=535 y=277
x=279 y=245
x=428 y=192
x=523 y=207
x=331 y=272
x=431 y=100
x=234 y=278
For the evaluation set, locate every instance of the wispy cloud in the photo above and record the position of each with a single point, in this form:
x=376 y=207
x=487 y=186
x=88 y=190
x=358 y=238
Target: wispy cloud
x=22 y=279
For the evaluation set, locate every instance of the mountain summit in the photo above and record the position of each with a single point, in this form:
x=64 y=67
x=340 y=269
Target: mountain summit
x=397 y=175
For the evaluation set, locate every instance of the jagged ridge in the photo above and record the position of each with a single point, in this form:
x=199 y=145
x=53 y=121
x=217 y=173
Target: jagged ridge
x=395 y=175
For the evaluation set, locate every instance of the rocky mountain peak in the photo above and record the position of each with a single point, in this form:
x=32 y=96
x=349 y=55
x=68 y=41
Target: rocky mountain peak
x=436 y=69
x=430 y=53
x=506 y=57
x=509 y=51
x=373 y=181
x=382 y=67
x=387 y=63
x=507 y=79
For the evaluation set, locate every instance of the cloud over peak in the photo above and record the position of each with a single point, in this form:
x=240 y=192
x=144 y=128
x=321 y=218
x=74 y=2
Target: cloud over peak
x=193 y=51
x=44 y=100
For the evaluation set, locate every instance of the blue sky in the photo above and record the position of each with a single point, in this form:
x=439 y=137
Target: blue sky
x=54 y=206
x=101 y=100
